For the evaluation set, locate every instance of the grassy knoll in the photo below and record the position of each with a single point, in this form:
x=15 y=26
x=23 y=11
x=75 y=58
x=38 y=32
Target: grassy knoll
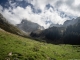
x=14 y=47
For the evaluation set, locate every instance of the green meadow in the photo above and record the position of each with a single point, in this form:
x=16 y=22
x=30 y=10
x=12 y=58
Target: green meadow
x=14 y=47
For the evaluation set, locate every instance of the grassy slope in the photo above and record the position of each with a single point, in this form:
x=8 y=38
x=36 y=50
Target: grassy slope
x=27 y=49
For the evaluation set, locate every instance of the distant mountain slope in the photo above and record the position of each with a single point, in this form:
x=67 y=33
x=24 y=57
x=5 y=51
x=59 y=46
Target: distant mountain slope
x=4 y=24
x=55 y=25
x=71 y=22
x=28 y=26
x=67 y=23
x=68 y=33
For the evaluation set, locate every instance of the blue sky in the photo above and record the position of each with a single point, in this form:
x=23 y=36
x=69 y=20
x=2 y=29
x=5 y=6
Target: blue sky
x=43 y=12
x=3 y=1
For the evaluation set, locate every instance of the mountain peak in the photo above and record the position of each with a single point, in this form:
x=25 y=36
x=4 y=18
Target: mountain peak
x=29 y=26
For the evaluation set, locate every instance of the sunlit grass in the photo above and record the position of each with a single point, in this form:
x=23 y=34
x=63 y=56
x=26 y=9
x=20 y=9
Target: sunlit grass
x=28 y=49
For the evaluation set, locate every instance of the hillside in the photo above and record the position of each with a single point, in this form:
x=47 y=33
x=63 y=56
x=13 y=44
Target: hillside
x=5 y=25
x=14 y=47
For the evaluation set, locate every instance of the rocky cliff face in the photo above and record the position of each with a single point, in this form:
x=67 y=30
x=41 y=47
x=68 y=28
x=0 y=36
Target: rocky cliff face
x=28 y=26
x=71 y=22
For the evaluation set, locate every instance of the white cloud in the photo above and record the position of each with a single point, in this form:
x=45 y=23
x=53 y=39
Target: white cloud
x=10 y=17
x=15 y=14
x=76 y=3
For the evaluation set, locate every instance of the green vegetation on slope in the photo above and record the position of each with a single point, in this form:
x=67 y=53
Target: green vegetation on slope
x=4 y=24
x=14 y=47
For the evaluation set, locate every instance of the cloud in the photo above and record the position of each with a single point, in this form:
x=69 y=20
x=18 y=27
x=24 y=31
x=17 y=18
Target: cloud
x=38 y=11
x=1 y=8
